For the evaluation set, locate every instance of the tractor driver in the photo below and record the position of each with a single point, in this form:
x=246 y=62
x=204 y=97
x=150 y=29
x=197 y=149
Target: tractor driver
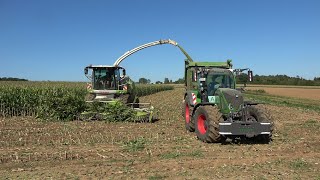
x=109 y=80
x=217 y=82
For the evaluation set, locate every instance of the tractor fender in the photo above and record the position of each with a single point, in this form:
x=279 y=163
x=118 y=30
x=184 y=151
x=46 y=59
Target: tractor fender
x=190 y=99
x=202 y=104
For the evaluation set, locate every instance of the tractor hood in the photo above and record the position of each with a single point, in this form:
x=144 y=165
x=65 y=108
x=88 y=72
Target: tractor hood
x=231 y=99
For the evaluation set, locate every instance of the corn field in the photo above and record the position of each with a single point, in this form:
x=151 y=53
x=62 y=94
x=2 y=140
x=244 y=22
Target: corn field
x=144 y=90
x=61 y=101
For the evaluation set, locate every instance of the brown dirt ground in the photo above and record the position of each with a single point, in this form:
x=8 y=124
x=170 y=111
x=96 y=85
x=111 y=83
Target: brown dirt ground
x=99 y=150
x=304 y=93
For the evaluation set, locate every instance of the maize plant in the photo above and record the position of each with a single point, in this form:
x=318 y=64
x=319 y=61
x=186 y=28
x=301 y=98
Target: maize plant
x=144 y=90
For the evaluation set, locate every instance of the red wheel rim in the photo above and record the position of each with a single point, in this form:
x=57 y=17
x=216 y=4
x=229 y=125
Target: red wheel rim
x=202 y=124
x=187 y=115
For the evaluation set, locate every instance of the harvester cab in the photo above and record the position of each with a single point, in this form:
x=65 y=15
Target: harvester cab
x=107 y=82
x=215 y=109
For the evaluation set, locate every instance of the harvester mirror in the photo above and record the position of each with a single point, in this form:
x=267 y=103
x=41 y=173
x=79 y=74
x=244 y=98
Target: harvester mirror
x=86 y=70
x=123 y=72
x=250 y=76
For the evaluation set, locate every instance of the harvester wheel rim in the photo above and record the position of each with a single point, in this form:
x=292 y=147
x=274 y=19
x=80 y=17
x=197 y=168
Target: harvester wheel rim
x=187 y=114
x=202 y=125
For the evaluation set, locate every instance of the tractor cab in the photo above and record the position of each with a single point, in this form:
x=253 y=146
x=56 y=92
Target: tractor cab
x=219 y=78
x=106 y=77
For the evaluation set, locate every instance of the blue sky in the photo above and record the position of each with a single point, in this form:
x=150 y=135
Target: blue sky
x=55 y=40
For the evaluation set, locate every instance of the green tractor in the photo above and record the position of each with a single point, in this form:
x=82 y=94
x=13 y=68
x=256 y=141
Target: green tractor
x=216 y=110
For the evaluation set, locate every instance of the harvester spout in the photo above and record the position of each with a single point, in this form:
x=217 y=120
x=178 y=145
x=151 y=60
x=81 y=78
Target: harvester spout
x=160 y=42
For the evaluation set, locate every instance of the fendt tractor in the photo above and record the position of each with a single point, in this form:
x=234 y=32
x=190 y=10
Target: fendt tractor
x=110 y=83
x=216 y=110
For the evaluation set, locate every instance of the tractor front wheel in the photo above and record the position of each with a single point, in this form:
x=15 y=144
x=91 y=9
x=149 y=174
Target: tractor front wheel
x=207 y=120
x=260 y=114
x=189 y=122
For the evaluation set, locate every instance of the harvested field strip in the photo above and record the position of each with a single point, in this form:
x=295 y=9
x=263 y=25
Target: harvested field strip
x=305 y=93
x=305 y=104
x=279 y=86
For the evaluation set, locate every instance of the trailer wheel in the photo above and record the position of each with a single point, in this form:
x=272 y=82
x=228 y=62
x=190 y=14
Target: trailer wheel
x=259 y=113
x=207 y=120
x=189 y=122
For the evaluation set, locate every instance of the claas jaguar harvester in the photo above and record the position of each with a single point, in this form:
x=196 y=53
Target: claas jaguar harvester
x=216 y=110
x=110 y=84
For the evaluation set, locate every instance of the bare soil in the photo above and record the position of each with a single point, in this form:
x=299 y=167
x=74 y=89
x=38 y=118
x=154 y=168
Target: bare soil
x=161 y=150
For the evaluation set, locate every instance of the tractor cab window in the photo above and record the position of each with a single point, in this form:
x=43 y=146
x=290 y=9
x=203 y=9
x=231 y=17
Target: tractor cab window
x=219 y=80
x=104 y=78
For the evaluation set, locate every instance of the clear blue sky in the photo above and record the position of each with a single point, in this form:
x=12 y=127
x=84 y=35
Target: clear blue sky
x=55 y=40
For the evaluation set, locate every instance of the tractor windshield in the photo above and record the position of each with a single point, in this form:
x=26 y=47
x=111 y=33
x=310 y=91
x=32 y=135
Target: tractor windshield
x=104 y=78
x=219 y=80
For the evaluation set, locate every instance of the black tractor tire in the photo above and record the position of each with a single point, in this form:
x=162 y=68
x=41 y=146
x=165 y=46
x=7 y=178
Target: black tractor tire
x=259 y=113
x=207 y=120
x=189 y=121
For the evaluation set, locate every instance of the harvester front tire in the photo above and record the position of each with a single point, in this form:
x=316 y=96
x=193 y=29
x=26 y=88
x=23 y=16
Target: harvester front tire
x=207 y=120
x=136 y=101
x=90 y=97
x=260 y=114
x=189 y=122
x=124 y=98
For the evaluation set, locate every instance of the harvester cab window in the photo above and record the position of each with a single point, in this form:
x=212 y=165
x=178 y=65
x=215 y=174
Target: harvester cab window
x=104 y=79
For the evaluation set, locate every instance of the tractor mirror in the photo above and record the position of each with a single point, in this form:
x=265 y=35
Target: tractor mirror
x=86 y=70
x=250 y=76
x=124 y=72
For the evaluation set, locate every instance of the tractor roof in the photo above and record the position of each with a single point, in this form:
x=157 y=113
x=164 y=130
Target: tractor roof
x=220 y=70
x=224 y=65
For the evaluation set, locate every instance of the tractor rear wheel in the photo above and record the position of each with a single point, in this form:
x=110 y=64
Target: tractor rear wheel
x=259 y=113
x=189 y=122
x=207 y=120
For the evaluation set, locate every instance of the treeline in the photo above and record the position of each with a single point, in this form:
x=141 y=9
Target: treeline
x=166 y=81
x=279 y=80
x=12 y=79
x=257 y=79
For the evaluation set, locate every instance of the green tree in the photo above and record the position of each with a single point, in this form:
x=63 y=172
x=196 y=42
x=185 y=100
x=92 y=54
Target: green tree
x=179 y=81
x=166 y=81
x=144 y=81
